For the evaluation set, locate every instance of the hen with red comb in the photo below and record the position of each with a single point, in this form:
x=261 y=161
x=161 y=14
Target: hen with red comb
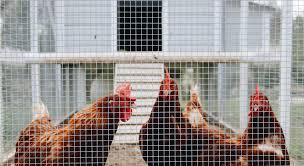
x=264 y=133
x=167 y=138
x=84 y=139
x=163 y=138
x=262 y=143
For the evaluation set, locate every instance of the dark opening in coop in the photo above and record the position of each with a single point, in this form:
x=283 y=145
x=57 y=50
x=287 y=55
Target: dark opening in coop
x=139 y=25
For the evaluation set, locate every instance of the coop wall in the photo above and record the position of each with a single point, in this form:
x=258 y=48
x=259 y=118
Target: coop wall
x=88 y=26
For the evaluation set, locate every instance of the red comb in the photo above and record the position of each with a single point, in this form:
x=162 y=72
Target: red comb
x=257 y=89
x=167 y=79
x=167 y=75
x=124 y=89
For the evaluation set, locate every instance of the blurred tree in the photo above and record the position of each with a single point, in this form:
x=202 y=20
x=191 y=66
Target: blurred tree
x=298 y=50
x=266 y=74
x=46 y=21
x=275 y=29
x=16 y=24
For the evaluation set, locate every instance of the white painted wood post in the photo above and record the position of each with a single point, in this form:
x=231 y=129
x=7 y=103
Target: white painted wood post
x=59 y=48
x=67 y=91
x=59 y=25
x=220 y=91
x=217 y=47
x=35 y=78
x=35 y=68
x=285 y=66
x=244 y=98
x=165 y=25
x=79 y=88
x=34 y=25
x=218 y=16
x=114 y=25
x=58 y=91
x=243 y=66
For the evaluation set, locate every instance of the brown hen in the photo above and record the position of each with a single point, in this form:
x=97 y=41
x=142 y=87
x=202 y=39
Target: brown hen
x=84 y=140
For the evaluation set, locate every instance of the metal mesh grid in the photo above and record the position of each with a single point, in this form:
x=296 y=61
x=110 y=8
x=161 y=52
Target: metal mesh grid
x=67 y=54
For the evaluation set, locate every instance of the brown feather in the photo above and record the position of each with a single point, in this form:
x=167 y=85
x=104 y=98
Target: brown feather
x=85 y=139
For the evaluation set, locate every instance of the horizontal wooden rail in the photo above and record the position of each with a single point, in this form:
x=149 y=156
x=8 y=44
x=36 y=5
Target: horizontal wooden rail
x=138 y=57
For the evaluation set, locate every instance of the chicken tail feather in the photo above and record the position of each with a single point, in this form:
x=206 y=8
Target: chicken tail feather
x=39 y=111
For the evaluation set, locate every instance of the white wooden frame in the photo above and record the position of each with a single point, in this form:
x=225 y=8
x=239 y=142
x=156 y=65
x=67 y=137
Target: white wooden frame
x=60 y=43
x=285 y=66
x=114 y=25
x=35 y=68
x=59 y=25
x=144 y=57
x=165 y=24
x=244 y=5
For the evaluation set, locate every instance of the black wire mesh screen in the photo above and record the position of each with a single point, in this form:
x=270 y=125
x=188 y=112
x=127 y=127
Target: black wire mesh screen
x=151 y=82
x=139 y=26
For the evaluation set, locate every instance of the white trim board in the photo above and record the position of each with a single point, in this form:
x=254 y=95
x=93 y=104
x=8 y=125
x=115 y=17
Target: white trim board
x=140 y=57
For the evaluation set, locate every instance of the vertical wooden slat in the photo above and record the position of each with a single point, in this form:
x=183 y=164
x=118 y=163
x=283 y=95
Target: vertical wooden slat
x=114 y=25
x=218 y=16
x=220 y=90
x=67 y=90
x=58 y=91
x=59 y=25
x=217 y=39
x=35 y=78
x=35 y=68
x=79 y=87
x=59 y=43
x=244 y=66
x=165 y=24
x=285 y=66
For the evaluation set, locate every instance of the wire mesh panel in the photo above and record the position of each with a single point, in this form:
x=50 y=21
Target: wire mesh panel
x=152 y=82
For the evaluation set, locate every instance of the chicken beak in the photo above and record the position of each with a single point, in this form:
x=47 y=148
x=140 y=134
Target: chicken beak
x=127 y=110
x=133 y=104
x=126 y=114
x=126 y=101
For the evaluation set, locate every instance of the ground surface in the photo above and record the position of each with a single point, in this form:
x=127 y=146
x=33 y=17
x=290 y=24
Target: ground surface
x=127 y=155
x=130 y=155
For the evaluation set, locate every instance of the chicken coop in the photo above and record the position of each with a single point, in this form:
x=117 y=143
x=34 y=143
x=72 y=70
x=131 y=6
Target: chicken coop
x=152 y=82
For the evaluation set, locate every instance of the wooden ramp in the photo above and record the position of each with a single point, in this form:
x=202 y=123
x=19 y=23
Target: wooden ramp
x=145 y=79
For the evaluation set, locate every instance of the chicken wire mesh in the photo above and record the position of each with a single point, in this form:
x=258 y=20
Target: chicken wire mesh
x=194 y=66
